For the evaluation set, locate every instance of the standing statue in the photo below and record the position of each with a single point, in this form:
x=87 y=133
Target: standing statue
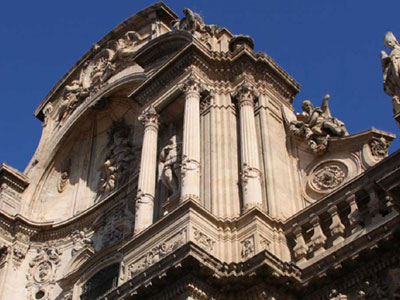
x=170 y=165
x=317 y=125
x=391 y=70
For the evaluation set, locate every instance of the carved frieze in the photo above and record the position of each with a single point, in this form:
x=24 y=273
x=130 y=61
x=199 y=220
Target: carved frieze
x=203 y=240
x=158 y=252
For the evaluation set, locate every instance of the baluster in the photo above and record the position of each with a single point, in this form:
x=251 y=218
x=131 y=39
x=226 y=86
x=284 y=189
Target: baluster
x=300 y=250
x=318 y=239
x=354 y=215
x=336 y=228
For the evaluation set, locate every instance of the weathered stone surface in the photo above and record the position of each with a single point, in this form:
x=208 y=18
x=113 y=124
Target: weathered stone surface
x=160 y=178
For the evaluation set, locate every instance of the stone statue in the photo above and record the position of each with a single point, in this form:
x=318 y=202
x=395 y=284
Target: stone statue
x=74 y=94
x=317 y=125
x=170 y=165
x=118 y=158
x=391 y=70
x=191 y=22
x=125 y=47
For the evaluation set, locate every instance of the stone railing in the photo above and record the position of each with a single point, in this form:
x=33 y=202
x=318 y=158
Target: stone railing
x=355 y=213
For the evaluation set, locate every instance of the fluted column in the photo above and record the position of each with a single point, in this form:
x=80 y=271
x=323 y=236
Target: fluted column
x=191 y=140
x=251 y=175
x=147 y=175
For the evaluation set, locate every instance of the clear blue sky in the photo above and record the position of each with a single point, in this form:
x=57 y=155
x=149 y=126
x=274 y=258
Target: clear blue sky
x=327 y=46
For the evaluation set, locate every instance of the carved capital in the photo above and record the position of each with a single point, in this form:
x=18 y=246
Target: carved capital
x=192 y=85
x=246 y=93
x=149 y=117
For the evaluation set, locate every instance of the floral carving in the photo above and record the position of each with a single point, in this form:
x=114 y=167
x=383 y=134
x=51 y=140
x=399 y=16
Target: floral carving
x=328 y=177
x=203 y=239
x=379 y=147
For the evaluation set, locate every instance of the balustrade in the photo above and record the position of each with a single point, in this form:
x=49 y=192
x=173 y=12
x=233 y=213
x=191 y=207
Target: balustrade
x=333 y=220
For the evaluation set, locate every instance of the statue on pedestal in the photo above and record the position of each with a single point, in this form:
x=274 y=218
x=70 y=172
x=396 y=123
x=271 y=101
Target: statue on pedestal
x=170 y=166
x=316 y=125
x=391 y=70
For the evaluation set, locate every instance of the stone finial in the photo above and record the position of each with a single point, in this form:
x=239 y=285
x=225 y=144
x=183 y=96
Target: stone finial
x=241 y=40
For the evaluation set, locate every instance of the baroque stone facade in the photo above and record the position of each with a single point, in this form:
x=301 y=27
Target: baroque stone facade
x=172 y=166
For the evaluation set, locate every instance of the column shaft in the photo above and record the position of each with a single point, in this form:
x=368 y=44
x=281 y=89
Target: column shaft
x=147 y=176
x=191 y=141
x=251 y=175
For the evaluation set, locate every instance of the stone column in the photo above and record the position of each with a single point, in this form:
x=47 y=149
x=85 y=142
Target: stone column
x=191 y=141
x=251 y=175
x=147 y=175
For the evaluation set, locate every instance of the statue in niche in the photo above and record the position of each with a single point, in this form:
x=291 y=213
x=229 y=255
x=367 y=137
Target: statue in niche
x=119 y=158
x=391 y=70
x=74 y=94
x=170 y=165
x=316 y=125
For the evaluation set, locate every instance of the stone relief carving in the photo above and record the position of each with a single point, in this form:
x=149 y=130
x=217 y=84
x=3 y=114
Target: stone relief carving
x=379 y=147
x=169 y=168
x=94 y=74
x=47 y=112
x=42 y=271
x=74 y=94
x=264 y=243
x=120 y=159
x=114 y=227
x=248 y=249
x=158 y=252
x=316 y=125
x=4 y=251
x=204 y=241
x=63 y=178
x=79 y=240
x=328 y=177
x=391 y=70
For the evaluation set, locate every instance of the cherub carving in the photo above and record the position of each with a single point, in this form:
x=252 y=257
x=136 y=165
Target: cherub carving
x=391 y=70
x=317 y=125
x=74 y=94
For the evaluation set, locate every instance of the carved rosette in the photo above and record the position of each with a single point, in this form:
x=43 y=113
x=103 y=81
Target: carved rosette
x=327 y=177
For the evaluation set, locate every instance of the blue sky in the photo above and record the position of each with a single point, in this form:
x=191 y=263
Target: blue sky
x=327 y=46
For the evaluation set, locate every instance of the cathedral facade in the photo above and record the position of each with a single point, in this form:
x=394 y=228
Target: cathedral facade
x=172 y=166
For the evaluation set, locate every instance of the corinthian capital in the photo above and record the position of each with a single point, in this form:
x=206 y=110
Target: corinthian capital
x=192 y=85
x=246 y=93
x=149 y=117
